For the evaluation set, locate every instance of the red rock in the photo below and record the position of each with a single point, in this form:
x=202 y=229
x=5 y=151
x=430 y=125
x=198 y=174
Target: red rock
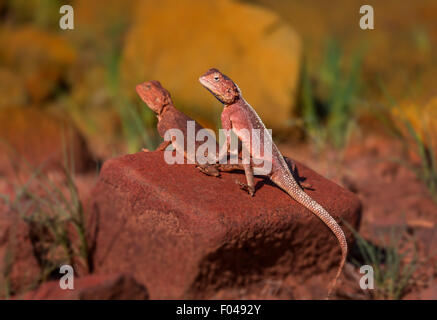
x=23 y=247
x=430 y=293
x=31 y=138
x=93 y=287
x=19 y=267
x=186 y=235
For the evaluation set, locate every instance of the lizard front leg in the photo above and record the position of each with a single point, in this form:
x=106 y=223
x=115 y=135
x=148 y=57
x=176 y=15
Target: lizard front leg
x=214 y=169
x=229 y=167
x=161 y=147
x=209 y=169
x=250 y=186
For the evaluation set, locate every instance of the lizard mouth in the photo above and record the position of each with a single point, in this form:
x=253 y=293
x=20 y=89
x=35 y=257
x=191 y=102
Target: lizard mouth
x=204 y=82
x=208 y=87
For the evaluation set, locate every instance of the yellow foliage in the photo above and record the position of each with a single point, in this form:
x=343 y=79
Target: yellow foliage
x=42 y=13
x=177 y=41
x=38 y=57
x=12 y=89
x=93 y=110
x=423 y=119
x=101 y=18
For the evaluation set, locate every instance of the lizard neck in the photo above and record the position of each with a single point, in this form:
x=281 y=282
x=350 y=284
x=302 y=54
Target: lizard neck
x=237 y=100
x=165 y=108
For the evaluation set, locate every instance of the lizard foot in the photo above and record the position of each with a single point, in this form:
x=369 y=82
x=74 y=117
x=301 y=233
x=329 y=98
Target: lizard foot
x=246 y=187
x=145 y=150
x=306 y=185
x=209 y=170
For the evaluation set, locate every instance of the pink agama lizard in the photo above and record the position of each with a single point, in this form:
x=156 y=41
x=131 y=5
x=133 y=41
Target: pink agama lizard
x=239 y=116
x=158 y=99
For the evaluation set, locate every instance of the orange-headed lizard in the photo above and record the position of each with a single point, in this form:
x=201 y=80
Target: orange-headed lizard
x=240 y=117
x=158 y=99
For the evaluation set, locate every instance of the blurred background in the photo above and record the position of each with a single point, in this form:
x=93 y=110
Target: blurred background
x=359 y=106
x=306 y=67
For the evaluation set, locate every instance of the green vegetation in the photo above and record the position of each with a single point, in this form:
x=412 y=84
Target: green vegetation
x=393 y=264
x=5 y=289
x=421 y=143
x=328 y=104
x=42 y=13
x=136 y=121
x=55 y=217
x=427 y=170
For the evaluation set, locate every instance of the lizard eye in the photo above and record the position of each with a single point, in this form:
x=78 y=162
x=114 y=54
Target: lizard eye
x=216 y=78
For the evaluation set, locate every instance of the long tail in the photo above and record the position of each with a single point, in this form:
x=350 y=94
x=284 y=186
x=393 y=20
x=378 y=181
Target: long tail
x=289 y=185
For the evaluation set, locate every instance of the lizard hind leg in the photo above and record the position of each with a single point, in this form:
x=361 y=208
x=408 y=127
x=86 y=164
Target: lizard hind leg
x=306 y=185
x=294 y=171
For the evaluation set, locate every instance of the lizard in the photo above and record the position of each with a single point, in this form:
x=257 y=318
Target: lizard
x=237 y=114
x=159 y=100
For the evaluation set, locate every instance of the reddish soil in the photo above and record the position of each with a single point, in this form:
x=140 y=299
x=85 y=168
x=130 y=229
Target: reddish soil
x=392 y=197
x=93 y=287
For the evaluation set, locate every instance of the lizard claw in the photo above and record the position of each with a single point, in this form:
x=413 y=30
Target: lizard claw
x=209 y=170
x=306 y=185
x=245 y=187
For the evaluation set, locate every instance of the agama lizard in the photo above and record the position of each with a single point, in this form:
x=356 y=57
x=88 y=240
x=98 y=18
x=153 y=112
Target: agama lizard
x=239 y=115
x=158 y=99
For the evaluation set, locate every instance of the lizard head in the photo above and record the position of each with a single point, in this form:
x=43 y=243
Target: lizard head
x=154 y=95
x=223 y=88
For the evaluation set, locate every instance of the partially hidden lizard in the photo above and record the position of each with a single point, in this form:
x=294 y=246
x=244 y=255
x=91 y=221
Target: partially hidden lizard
x=237 y=115
x=158 y=99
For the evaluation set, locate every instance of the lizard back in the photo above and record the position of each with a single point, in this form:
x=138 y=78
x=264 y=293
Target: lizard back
x=172 y=118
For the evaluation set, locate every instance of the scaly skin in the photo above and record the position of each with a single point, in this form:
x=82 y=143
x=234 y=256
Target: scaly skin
x=158 y=99
x=237 y=115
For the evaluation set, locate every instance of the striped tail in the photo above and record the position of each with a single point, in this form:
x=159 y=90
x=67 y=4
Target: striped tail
x=289 y=185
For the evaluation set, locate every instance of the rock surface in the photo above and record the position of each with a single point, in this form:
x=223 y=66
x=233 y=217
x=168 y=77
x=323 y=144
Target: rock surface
x=249 y=43
x=31 y=138
x=19 y=267
x=187 y=235
x=93 y=287
x=25 y=251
